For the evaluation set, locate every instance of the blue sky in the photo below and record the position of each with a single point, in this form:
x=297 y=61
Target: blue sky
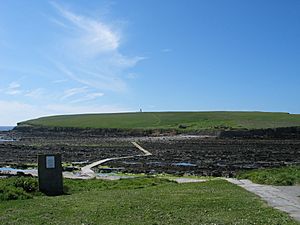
x=62 y=57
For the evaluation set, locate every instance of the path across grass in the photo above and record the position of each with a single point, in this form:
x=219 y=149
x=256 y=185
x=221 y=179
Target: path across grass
x=144 y=201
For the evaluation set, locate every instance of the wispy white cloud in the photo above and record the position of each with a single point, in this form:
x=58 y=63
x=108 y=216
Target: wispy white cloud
x=73 y=91
x=125 y=62
x=95 y=95
x=82 y=94
x=36 y=93
x=93 y=35
x=93 y=58
x=58 y=22
x=132 y=75
x=14 y=88
x=14 y=85
x=59 y=81
x=102 y=80
x=88 y=97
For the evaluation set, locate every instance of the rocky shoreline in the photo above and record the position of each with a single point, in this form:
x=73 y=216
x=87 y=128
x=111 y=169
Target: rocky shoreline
x=200 y=154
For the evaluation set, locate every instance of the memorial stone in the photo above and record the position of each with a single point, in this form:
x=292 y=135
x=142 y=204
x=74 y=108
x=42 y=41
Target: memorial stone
x=50 y=174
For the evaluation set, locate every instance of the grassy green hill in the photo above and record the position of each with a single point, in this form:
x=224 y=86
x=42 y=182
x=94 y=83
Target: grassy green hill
x=172 y=120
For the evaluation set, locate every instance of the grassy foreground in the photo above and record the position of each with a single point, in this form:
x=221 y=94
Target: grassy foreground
x=172 y=120
x=274 y=176
x=143 y=201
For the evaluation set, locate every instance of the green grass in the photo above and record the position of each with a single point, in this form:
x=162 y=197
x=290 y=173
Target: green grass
x=18 y=188
x=172 y=120
x=275 y=176
x=75 y=186
x=144 y=201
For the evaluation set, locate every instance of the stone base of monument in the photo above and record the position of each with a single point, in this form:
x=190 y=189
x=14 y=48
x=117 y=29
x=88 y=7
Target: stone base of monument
x=50 y=174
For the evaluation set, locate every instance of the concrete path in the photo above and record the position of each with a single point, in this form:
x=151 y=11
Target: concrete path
x=87 y=171
x=142 y=149
x=184 y=180
x=285 y=199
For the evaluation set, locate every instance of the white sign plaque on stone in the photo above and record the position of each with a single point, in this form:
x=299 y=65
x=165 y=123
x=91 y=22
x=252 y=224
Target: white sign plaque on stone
x=50 y=162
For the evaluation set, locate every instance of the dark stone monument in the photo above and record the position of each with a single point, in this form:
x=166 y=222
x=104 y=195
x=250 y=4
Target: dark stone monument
x=50 y=174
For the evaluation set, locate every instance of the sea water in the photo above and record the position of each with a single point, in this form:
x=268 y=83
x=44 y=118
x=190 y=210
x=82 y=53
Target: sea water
x=6 y=128
x=4 y=138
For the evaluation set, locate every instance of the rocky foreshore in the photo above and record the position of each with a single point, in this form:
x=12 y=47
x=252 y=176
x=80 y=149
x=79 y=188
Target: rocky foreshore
x=201 y=154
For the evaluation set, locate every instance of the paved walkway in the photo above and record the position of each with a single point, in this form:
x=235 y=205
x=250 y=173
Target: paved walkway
x=87 y=171
x=282 y=198
x=184 y=180
x=141 y=148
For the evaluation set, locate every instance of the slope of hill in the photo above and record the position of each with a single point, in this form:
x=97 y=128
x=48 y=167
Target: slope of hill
x=171 y=120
